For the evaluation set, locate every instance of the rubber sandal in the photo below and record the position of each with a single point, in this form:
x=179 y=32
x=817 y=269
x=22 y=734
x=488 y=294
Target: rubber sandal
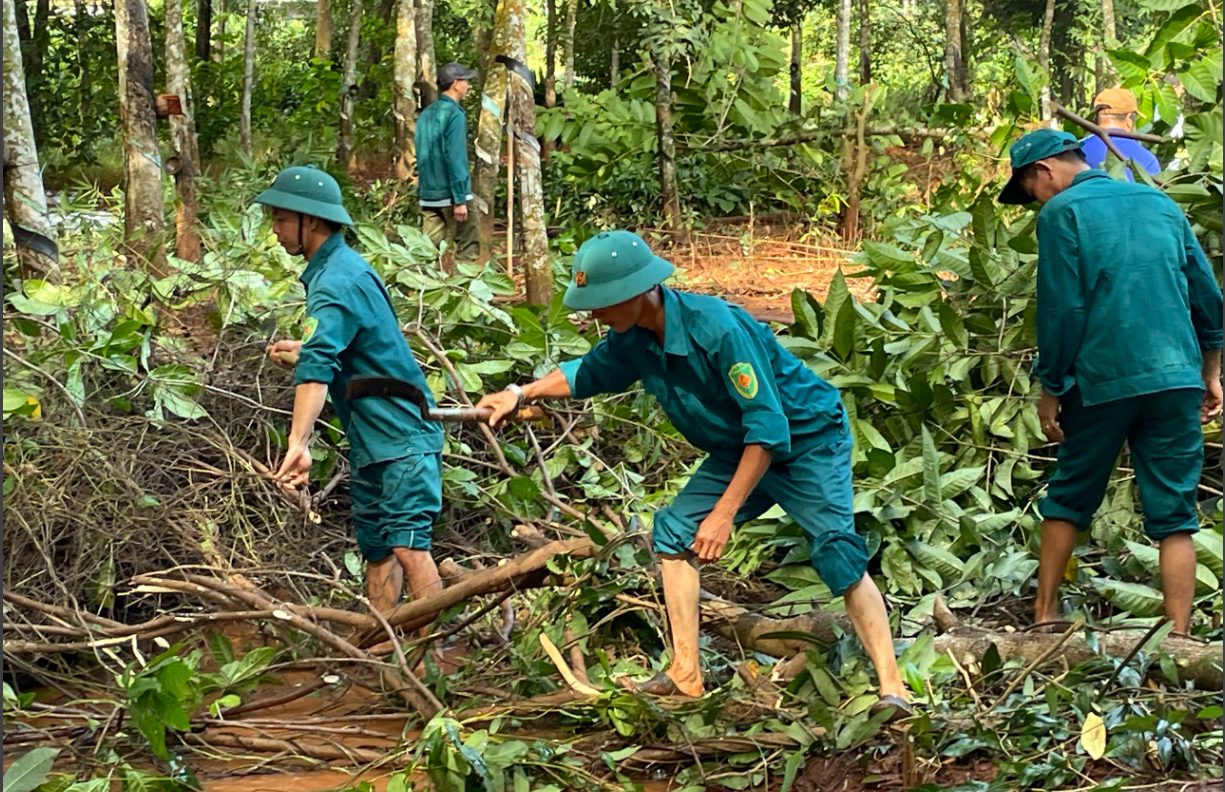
x=894 y=704
x=659 y=685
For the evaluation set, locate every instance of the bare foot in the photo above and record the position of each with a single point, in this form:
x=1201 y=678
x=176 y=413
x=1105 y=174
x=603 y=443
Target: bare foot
x=662 y=684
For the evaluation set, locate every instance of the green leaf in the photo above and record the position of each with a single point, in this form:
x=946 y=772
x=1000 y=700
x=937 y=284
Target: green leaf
x=948 y=565
x=794 y=760
x=1132 y=67
x=931 y=470
x=1209 y=551
x=29 y=771
x=523 y=488
x=844 y=328
x=1177 y=23
x=1200 y=82
x=1148 y=556
x=808 y=313
x=1135 y=598
x=952 y=325
x=1166 y=5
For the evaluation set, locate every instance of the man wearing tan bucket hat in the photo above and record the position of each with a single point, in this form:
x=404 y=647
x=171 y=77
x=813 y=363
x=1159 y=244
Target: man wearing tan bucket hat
x=1115 y=108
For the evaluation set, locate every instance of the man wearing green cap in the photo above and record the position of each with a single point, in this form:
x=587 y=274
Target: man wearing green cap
x=1129 y=349
x=773 y=430
x=444 y=186
x=351 y=330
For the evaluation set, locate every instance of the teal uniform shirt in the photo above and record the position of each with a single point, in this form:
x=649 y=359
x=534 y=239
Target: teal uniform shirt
x=442 y=154
x=1126 y=298
x=721 y=376
x=351 y=330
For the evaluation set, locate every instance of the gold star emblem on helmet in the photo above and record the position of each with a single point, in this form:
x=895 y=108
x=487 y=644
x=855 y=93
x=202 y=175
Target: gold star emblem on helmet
x=580 y=278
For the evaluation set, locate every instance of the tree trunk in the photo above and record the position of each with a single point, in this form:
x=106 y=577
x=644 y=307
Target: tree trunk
x=1044 y=58
x=427 y=69
x=797 y=65
x=954 y=64
x=323 y=30
x=248 y=78
x=865 y=43
x=667 y=140
x=348 y=87
x=144 y=214
x=387 y=12
x=86 y=86
x=405 y=73
x=568 y=42
x=614 y=64
x=204 y=29
x=219 y=41
x=843 y=54
x=1103 y=69
x=489 y=129
x=538 y=274
x=856 y=168
x=24 y=197
x=550 y=64
x=182 y=135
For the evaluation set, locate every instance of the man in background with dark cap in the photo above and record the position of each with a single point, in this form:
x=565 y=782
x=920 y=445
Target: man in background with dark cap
x=444 y=185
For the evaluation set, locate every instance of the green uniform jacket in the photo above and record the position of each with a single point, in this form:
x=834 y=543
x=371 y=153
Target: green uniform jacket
x=721 y=376
x=1126 y=298
x=442 y=154
x=351 y=330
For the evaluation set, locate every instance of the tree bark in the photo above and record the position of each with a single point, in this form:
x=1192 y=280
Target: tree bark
x=86 y=85
x=204 y=29
x=954 y=63
x=614 y=62
x=550 y=64
x=427 y=70
x=865 y=42
x=144 y=214
x=538 y=274
x=842 y=55
x=856 y=167
x=797 y=66
x=405 y=104
x=182 y=135
x=248 y=78
x=219 y=41
x=24 y=197
x=489 y=129
x=568 y=42
x=667 y=140
x=1104 y=70
x=348 y=87
x=323 y=29
x=1044 y=58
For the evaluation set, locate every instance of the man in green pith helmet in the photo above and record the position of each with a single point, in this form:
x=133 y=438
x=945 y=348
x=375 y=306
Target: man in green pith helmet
x=1129 y=349
x=774 y=432
x=351 y=330
x=444 y=185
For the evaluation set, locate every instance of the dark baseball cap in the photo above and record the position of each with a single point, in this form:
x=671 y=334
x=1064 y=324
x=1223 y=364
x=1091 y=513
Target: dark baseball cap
x=1037 y=145
x=454 y=71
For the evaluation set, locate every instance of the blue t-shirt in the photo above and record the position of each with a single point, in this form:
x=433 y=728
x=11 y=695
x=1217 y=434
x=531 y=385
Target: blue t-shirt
x=1095 y=153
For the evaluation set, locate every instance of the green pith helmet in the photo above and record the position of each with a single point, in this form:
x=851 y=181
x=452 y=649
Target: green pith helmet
x=611 y=268
x=307 y=190
x=1037 y=145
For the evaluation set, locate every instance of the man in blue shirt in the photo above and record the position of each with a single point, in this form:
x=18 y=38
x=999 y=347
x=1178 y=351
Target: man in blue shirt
x=1115 y=108
x=351 y=330
x=774 y=432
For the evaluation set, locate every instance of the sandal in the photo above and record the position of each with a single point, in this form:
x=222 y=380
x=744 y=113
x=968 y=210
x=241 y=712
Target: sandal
x=898 y=707
x=659 y=685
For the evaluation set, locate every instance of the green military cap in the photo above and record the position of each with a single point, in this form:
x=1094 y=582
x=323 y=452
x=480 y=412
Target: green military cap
x=612 y=267
x=308 y=190
x=1037 y=145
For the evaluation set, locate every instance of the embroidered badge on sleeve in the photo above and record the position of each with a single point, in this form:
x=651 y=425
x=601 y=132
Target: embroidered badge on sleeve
x=744 y=379
x=309 y=325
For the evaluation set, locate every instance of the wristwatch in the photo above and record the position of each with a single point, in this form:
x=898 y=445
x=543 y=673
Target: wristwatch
x=515 y=389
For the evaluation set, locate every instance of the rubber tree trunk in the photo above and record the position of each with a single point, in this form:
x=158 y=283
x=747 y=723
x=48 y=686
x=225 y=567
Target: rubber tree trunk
x=954 y=58
x=550 y=64
x=1103 y=70
x=144 y=214
x=614 y=62
x=667 y=139
x=489 y=129
x=219 y=41
x=24 y=198
x=348 y=86
x=204 y=29
x=568 y=41
x=797 y=66
x=534 y=256
x=86 y=86
x=404 y=74
x=1044 y=58
x=865 y=42
x=323 y=29
x=427 y=67
x=182 y=135
x=842 y=55
x=248 y=78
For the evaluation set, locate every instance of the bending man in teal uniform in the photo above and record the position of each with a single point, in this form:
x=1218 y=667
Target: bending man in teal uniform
x=351 y=330
x=1129 y=349
x=774 y=432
